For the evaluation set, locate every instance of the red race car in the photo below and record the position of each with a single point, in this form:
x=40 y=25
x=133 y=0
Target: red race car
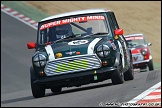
x=141 y=53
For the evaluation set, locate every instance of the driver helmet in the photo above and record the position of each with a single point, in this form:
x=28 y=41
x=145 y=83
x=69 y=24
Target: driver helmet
x=63 y=31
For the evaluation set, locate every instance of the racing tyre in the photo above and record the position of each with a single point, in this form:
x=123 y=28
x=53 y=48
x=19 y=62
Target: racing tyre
x=117 y=76
x=37 y=91
x=56 y=89
x=129 y=74
x=150 y=65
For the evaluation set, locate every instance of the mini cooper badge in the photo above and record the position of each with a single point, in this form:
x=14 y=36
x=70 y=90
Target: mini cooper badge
x=70 y=53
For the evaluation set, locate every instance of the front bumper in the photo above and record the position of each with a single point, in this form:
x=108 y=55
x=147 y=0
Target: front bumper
x=76 y=78
x=143 y=61
x=141 y=64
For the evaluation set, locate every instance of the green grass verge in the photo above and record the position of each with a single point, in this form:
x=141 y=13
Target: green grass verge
x=26 y=9
x=157 y=65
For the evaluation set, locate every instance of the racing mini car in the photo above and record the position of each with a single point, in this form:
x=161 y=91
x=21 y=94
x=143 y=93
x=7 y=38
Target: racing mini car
x=141 y=53
x=78 y=48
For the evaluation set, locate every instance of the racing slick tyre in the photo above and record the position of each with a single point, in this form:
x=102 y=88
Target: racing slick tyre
x=117 y=76
x=56 y=89
x=37 y=90
x=129 y=74
x=150 y=65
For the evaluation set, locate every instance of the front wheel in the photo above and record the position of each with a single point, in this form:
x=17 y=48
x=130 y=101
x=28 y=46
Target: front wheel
x=37 y=90
x=117 y=76
x=129 y=74
x=150 y=65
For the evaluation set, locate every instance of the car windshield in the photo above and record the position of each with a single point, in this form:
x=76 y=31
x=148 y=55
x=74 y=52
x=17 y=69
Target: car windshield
x=135 y=41
x=72 y=26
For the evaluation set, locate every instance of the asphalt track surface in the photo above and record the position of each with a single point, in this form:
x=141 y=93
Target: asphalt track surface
x=15 y=80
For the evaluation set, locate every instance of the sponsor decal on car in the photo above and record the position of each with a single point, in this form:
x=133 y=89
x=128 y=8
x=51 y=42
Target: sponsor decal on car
x=78 y=42
x=113 y=46
x=133 y=38
x=66 y=21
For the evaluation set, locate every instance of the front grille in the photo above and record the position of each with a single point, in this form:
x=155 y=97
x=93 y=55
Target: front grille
x=72 y=64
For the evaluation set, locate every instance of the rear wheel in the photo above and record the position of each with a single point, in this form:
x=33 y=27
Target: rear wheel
x=118 y=76
x=37 y=90
x=150 y=65
x=129 y=74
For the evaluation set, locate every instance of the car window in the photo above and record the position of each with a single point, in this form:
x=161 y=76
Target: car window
x=80 y=25
x=135 y=41
x=114 y=21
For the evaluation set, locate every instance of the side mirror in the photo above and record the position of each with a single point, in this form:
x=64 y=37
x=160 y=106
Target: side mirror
x=149 y=44
x=31 y=45
x=118 y=31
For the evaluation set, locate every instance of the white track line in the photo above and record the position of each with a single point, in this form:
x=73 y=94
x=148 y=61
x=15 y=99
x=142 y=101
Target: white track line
x=19 y=17
x=145 y=93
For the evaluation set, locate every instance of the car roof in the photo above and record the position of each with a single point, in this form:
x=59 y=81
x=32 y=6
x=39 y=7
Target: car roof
x=96 y=10
x=131 y=35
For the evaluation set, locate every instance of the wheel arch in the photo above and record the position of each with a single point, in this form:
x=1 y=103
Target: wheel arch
x=32 y=74
x=118 y=57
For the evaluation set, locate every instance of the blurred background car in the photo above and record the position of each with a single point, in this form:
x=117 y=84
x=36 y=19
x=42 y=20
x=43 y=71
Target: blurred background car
x=141 y=53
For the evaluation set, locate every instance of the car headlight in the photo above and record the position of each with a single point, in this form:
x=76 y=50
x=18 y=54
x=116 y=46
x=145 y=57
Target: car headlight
x=103 y=51
x=39 y=60
x=144 y=51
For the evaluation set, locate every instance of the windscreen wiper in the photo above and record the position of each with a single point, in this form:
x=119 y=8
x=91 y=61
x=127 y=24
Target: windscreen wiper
x=98 y=33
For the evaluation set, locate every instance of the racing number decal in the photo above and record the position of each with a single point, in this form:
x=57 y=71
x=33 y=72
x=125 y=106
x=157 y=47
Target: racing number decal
x=122 y=53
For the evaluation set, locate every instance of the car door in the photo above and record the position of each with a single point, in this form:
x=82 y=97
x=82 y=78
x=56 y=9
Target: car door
x=121 y=40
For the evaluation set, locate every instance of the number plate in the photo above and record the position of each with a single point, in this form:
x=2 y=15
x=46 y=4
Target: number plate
x=138 y=57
